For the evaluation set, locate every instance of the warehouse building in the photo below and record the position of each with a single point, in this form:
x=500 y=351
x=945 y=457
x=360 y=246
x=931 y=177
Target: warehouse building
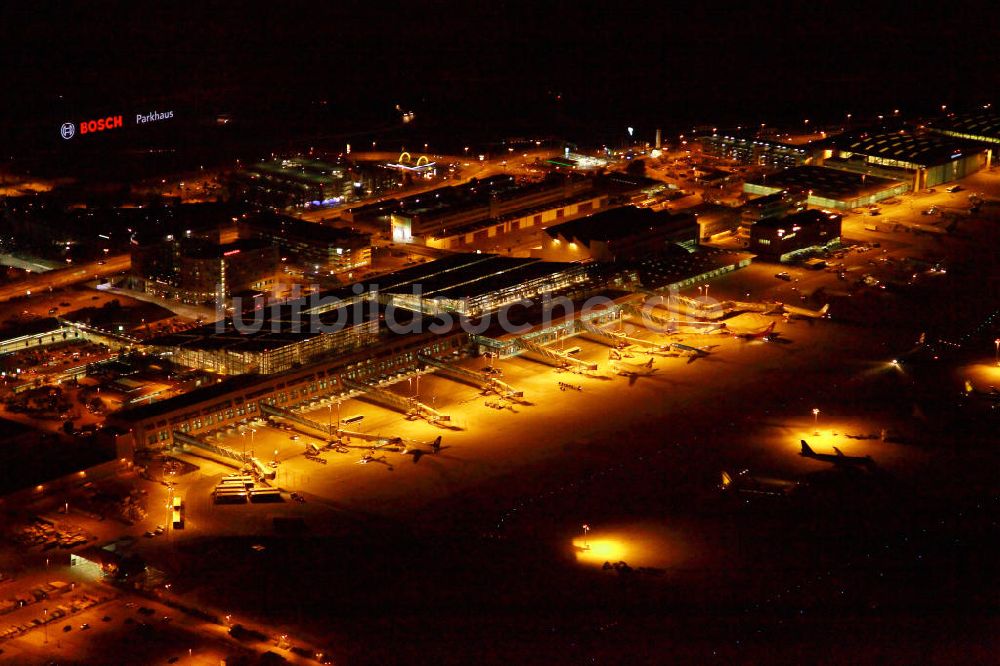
x=828 y=188
x=783 y=239
x=619 y=234
x=923 y=160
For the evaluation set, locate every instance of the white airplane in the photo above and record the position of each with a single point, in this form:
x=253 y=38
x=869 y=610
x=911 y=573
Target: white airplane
x=754 y=334
x=806 y=312
x=745 y=483
x=633 y=370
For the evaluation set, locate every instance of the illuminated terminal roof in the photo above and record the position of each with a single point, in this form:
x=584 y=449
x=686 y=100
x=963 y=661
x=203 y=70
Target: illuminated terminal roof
x=825 y=183
x=474 y=284
x=278 y=327
x=982 y=126
x=908 y=149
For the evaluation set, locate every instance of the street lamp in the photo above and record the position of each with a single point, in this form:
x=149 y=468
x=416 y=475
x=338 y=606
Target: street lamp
x=816 y=420
x=997 y=355
x=586 y=530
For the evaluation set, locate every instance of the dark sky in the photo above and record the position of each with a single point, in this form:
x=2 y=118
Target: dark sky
x=611 y=62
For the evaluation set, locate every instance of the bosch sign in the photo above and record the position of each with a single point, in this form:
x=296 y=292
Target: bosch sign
x=69 y=130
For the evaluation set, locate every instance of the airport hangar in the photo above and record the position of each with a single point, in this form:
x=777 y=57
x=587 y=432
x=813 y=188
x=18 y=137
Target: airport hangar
x=922 y=159
x=828 y=188
x=982 y=127
x=367 y=358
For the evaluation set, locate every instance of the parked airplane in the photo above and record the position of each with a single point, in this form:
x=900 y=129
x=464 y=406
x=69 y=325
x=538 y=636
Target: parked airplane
x=992 y=394
x=762 y=334
x=837 y=458
x=633 y=370
x=806 y=313
x=747 y=483
x=694 y=351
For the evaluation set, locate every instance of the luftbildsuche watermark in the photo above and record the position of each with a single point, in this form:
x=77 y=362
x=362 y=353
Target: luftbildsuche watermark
x=412 y=312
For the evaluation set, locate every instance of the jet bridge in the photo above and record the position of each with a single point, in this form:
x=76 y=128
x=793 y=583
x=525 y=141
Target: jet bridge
x=594 y=333
x=551 y=356
x=221 y=451
x=472 y=378
x=408 y=406
x=272 y=410
x=665 y=325
x=332 y=430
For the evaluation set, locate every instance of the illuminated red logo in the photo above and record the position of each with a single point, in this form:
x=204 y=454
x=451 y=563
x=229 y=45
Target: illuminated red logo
x=91 y=126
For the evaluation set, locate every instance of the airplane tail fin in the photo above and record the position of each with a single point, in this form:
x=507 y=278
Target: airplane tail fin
x=649 y=364
x=839 y=452
x=437 y=443
x=770 y=329
x=806 y=449
x=823 y=310
x=726 y=480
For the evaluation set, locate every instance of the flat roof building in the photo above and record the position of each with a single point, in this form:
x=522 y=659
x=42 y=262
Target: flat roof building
x=451 y=209
x=198 y=270
x=828 y=188
x=924 y=159
x=753 y=150
x=313 y=246
x=781 y=239
x=294 y=181
x=271 y=339
x=982 y=127
x=476 y=284
x=241 y=398
x=618 y=234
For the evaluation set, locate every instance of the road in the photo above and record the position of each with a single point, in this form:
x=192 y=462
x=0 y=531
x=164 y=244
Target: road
x=471 y=167
x=65 y=277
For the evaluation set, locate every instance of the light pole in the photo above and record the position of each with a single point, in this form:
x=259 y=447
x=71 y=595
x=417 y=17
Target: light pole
x=996 y=357
x=45 y=614
x=586 y=530
x=816 y=420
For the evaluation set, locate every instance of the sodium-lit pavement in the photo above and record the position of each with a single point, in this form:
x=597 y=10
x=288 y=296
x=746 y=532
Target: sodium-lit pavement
x=64 y=277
